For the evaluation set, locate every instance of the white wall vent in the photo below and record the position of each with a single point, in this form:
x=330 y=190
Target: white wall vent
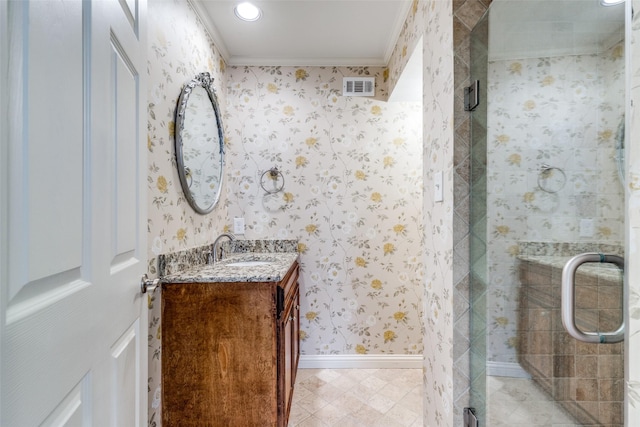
x=359 y=86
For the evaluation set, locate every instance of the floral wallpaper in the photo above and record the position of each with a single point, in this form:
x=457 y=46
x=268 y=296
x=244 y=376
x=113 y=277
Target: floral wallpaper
x=412 y=30
x=351 y=169
x=439 y=153
x=352 y=196
x=432 y=21
x=548 y=111
x=178 y=49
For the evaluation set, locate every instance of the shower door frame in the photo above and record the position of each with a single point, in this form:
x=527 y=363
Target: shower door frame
x=478 y=238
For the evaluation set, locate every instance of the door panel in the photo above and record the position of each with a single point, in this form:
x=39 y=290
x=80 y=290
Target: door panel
x=124 y=372
x=73 y=410
x=54 y=36
x=74 y=212
x=47 y=214
x=125 y=172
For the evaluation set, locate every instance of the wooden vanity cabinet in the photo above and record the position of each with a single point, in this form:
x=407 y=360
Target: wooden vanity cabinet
x=229 y=352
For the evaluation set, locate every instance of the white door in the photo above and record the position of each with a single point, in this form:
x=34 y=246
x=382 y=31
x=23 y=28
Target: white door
x=73 y=218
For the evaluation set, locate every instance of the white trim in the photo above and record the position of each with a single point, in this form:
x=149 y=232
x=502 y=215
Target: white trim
x=361 y=361
x=235 y=61
x=506 y=369
x=211 y=29
x=397 y=30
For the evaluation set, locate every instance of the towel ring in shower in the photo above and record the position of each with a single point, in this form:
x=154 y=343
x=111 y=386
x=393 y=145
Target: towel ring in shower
x=545 y=181
x=274 y=175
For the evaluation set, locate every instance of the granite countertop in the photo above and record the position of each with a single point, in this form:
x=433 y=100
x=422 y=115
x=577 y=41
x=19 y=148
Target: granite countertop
x=278 y=265
x=605 y=271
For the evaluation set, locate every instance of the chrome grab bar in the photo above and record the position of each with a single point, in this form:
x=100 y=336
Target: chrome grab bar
x=568 y=305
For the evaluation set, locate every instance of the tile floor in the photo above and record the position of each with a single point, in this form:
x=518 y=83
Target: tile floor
x=393 y=397
x=519 y=402
x=357 y=398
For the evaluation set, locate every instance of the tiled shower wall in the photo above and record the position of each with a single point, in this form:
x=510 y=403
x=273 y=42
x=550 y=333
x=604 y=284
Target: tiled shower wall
x=559 y=101
x=466 y=14
x=632 y=188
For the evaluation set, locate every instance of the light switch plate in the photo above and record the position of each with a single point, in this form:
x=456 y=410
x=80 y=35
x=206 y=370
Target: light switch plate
x=437 y=187
x=238 y=225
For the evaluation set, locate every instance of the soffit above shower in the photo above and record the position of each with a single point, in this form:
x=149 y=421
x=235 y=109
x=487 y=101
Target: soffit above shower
x=536 y=28
x=306 y=32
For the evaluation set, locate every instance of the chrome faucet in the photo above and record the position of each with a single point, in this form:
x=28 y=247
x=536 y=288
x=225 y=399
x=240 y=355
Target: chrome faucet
x=215 y=246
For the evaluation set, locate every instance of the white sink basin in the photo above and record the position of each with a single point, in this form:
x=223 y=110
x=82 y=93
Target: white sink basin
x=252 y=263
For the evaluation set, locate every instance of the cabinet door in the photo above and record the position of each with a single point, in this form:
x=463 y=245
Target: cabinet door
x=220 y=368
x=295 y=336
x=291 y=348
x=288 y=359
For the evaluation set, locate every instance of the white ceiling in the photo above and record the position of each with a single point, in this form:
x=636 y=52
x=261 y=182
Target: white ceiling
x=536 y=28
x=306 y=32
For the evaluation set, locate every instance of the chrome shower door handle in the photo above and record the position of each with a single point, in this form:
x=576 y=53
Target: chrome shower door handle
x=568 y=303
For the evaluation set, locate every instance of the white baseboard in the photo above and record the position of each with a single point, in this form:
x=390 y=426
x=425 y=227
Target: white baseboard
x=506 y=369
x=361 y=361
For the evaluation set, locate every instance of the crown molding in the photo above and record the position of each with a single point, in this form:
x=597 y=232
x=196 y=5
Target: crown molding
x=309 y=62
x=396 y=31
x=210 y=29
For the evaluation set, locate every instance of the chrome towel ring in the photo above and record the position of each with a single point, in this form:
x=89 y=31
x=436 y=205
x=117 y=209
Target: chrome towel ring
x=274 y=177
x=551 y=179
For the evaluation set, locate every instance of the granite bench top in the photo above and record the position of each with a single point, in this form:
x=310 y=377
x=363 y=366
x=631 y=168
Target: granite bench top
x=603 y=271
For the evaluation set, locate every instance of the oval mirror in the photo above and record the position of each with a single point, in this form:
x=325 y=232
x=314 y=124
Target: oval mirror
x=199 y=144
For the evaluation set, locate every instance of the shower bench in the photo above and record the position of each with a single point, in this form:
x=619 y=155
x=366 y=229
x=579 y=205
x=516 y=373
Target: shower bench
x=587 y=380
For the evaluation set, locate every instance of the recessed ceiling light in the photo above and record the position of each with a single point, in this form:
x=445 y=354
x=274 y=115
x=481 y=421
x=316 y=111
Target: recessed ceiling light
x=610 y=2
x=247 y=11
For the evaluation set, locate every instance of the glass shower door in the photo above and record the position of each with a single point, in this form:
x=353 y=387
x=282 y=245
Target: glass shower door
x=547 y=171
